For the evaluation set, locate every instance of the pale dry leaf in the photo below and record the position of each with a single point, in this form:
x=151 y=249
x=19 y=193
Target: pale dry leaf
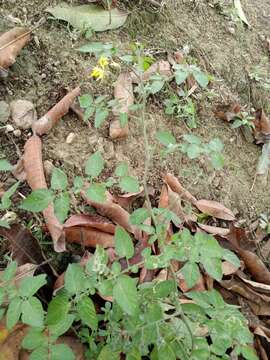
x=215 y=209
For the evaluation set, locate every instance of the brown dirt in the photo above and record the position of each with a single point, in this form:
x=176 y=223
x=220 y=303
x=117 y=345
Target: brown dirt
x=50 y=63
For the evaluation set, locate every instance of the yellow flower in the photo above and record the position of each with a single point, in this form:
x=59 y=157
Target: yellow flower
x=103 y=62
x=97 y=73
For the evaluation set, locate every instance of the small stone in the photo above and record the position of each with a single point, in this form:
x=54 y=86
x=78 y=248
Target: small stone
x=17 y=133
x=4 y=112
x=48 y=167
x=70 y=138
x=43 y=76
x=231 y=30
x=9 y=128
x=23 y=113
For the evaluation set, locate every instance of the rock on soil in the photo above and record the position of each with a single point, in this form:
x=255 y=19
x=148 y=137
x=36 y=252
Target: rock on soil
x=23 y=113
x=4 y=112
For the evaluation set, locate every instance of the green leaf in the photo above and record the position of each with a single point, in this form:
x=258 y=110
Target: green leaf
x=192 y=139
x=85 y=100
x=156 y=86
x=87 y=312
x=248 y=352
x=40 y=353
x=107 y=354
x=59 y=179
x=165 y=351
x=89 y=16
x=165 y=138
x=164 y=288
x=4 y=223
x=94 y=165
x=139 y=216
x=123 y=118
x=217 y=161
x=123 y=243
x=37 y=201
x=240 y=12
x=100 y=116
x=5 y=165
x=78 y=183
x=62 y=326
x=10 y=271
x=191 y=274
x=133 y=354
x=2 y=295
x=201 y=78
x=30 y=285
x=6 y=202
x=61 y=352
x=14 y=312
x=32 y=312
x=193 y=151
x=216 y=145
x=99 y=49
x=88 y=113
x=58 y=309
x=96 y=192
x=231 y=257
x=210 y=247
x=106 y=287
x=213 y=267
x=125 y=294
x=61 y=206
x=74 y=279
x=121 y=169
x=34 y=339
x=181 y=76
x=129 y=184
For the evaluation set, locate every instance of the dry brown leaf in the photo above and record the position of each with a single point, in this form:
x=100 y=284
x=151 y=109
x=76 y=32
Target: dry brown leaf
x=126 y=200
x=264 y=288
x=92 y=220
x=260 y=349
x=240 y=238
x=161 y=67
x=10 y=347
x=255 y=266
x=35 y=177
x=175 y=185
x=123 y=93
x=265 y=250
x=175 y=204
x=89 y=237
x=164 y=197
x=228 y=112
x=200 y=286
x=262 y=126
x=8 y=53
x=215 y=209
x=48 y=121
x=214 y=230
x=228 y=268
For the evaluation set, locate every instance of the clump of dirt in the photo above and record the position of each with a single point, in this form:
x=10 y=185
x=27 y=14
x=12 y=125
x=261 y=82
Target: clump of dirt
x=219 y=43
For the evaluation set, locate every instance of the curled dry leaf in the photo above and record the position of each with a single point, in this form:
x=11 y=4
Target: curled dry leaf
x=48 y=121
x=123 y=93
x=161 y=67
x=175 y=185
x=35 y=177
x=255 y=266
x=262 y=126
x=240 y=238
x=215 y=209
x=227 y=112
x=228 y=268
x=92 y=220
x=89 y=237
x=175 y=204
x=264 y=288
x=11 y=43
x=126 y=200
x=214 y=230
x=10 y=347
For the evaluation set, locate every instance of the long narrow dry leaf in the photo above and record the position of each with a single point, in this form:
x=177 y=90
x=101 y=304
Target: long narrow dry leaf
x=9 y=49
x=175 y=185
x=89 y=237
x=123 y=93
x=92 y=220
x=264 y=160
x=214 y=230
x=264 y=288
x=240 y=12
x=215 y=209
x=255 y=266
x=35 y=177
x=48 y=121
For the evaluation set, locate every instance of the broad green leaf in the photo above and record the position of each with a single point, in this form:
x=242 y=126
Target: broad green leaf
x=192 y=139
x=32 y=312
x=62 y=326
x=58 y=309
x=129 y=184
x=74 y=279
x=210 y=248
x=139 y=216
x=191 y=274
x=201 y=78
x=231 y=257
x=193 y=151
x=121 y=169
x=61 y=206
x=5 y=200
x=10 y=271
x=100 y=116
x=181 y=76
x=217 y=161
x=37 y=201
x=34 y=339
x=91 y=16
x=85 y=100
x=165 y=138
x=5 y=165
x=30 y=285
x=123 y=118
x=125 y=294
x=248 y=352
x=106 y=287
x=59 y=179
x=4 y=223
x=96 y=192
x=216 y=145
x=14 y=312
x=123 y=243
x=164 y=288
x=133 y=354
x=156 y=86
x=99 y=49
x=78 y=183
x=88 y=113
x=240 y=12
x=213 y=267
x=107 y=354
x=165 y=351
x=61 y=352
x=40 y=353
x=94 y=165
x=87 y=312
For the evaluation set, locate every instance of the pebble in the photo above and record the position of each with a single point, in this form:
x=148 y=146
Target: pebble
x=23 y=113
x=17 y=133
x=9 y=128
x=4 y=112
x=231 y=30
x=70 y=138
x=43 y=76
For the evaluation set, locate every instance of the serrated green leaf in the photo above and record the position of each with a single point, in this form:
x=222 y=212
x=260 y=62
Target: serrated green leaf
x=125 y=294
x=106 y=287
x=61 y=352
x=5 y=165
x=248 y=352
x=191 y=274
x=74 y=279
x=62 y=326
x=87 y=312
x=129 y=184
x=213 y=267
x=210 y=247
x=10 y=271
x=37 y=201
x=139 y=216
x=14 y=312
x=59 y=179
x=121 y=169
x=32 y=312
x=96 y=192
x=123 y=243
x=34 y=339
x=61 y=206
x=30 y=285
x=94 y=165
x=85 y=100
x=165 y=138
x=58 y=309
